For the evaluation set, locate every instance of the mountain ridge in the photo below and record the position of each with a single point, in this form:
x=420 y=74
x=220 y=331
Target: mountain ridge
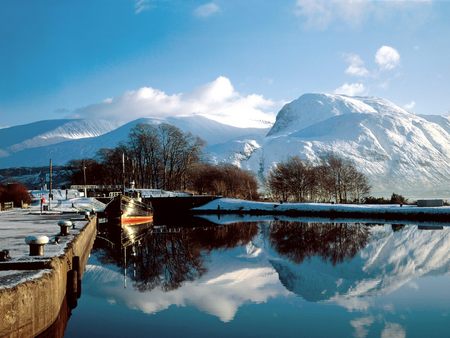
x=398 y=150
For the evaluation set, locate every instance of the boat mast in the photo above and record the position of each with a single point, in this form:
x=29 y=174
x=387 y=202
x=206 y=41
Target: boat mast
x=123 y=173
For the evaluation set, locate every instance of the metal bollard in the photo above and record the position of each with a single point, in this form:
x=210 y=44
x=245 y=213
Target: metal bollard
x=4 y=255
x=36 y=244
x=64 y=225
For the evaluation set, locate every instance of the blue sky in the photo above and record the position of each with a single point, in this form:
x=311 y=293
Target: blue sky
x=100 y=58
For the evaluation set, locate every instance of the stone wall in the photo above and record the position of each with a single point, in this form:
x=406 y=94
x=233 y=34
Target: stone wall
x=29 y=308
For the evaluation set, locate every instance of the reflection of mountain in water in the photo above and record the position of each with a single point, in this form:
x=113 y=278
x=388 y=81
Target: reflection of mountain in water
x=218 y=269
x=304 y=243
x=390 y=259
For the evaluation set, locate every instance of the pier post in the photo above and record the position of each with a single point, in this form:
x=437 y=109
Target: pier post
x=72 y=288
x=64 y=227
x=37 y=244
x=76 y=266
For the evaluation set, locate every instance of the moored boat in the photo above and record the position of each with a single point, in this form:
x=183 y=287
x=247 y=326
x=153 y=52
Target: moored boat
x=128 y=211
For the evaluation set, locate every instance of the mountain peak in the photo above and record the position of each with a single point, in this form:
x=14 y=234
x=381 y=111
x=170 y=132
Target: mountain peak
x=312 y=108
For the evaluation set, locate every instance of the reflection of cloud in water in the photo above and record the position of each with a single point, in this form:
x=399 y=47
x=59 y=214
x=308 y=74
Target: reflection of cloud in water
x=361 y=326
x=229 y=283
x=393 y=330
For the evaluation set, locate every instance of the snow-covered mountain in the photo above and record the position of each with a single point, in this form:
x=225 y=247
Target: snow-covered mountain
x=44 y=133
x=398 y=150
x=62 y=152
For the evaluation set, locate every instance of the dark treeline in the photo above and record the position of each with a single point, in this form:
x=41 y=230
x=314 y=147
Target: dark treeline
x=224 y=180
x=163 y=157
x=333 y=179
x=395 y=199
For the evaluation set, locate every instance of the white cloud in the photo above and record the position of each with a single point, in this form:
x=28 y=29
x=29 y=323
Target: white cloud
x=356 y=65
x=387 y=58
x=393 y=330
x=410 y=105
x=351 y=89
x=141 y=5
x=320 y=14
x=217 y=100
x=206 y=10
x=316 y=13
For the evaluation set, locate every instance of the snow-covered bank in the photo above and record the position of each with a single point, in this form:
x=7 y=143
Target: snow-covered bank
x=388 y=212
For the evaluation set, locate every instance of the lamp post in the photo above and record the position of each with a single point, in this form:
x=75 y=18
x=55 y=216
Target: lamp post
x=84 y=179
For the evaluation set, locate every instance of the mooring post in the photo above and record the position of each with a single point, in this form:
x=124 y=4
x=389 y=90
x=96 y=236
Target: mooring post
x=36 y=244
x=64 y=226
x=76 y=266
x=72 y=288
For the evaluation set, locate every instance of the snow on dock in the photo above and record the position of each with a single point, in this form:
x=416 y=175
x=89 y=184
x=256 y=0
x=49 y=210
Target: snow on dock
x=40 y=282
x=15 y=226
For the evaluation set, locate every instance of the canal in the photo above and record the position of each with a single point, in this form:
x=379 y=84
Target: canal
x=248 y=277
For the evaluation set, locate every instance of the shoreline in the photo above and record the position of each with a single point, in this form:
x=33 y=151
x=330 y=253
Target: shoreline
x=325 y=210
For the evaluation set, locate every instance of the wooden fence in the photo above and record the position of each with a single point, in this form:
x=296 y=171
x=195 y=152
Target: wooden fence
x=6 y=206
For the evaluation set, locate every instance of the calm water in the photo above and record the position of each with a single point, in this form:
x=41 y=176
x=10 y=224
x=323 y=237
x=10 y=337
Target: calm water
x=267 y=278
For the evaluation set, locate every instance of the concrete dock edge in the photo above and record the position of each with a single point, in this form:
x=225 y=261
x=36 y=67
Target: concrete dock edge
x=29 y=308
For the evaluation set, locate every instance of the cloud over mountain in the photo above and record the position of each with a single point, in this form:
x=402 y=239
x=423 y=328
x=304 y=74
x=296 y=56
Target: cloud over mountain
x=217 y=100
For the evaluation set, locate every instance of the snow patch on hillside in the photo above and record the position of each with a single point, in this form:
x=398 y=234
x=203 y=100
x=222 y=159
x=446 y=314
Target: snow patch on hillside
x=72 y=130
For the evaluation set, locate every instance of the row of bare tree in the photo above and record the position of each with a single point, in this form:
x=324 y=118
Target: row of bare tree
x=334 y=179
x=163 y=157
x=155 y=156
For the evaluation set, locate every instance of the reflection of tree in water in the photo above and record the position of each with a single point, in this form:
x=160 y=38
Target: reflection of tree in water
x=167 y=259
x=331 y=241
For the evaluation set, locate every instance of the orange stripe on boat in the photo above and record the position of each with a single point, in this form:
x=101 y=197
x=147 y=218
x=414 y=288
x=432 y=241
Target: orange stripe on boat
x=136 y=219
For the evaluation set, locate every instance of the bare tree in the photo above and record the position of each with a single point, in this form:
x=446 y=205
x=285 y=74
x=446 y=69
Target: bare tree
x=334 y=179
